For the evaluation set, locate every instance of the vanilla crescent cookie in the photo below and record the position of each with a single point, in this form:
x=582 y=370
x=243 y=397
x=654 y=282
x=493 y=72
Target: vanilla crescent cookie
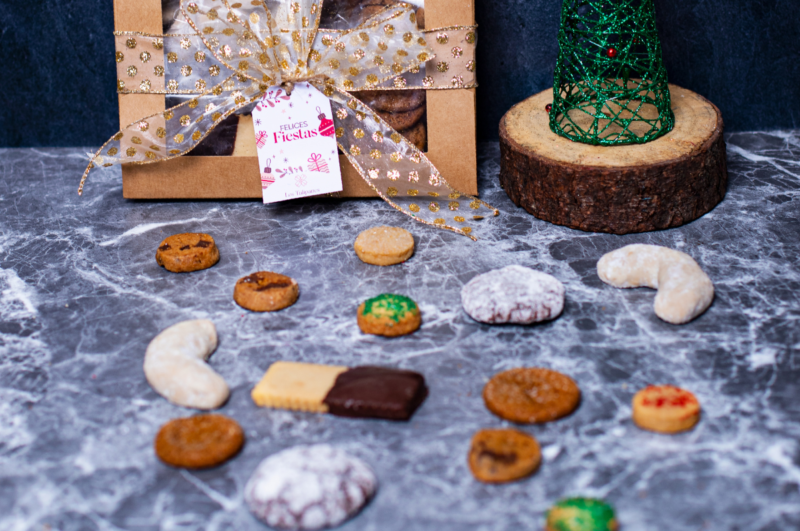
x=513 y=294
x=309 y=487
x=684 y=290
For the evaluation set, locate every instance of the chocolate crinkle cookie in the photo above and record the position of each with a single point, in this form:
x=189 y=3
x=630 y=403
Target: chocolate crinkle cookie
x=513 y=294
x=309 y=487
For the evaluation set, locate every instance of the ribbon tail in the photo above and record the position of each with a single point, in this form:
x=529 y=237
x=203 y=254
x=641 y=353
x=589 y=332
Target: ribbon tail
x=399 y=172
x=174 y=132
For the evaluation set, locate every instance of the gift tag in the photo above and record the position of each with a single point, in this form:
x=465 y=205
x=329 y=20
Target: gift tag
x=297 y=149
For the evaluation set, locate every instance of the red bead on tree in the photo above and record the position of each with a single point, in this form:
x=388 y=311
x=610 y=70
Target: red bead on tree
x=611 y=52
x=548 y=107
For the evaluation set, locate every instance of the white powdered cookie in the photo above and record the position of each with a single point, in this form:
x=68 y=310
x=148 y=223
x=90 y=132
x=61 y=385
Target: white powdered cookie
x=514 y=294
x=684 y=290
x=175 y=366
x=309 y=487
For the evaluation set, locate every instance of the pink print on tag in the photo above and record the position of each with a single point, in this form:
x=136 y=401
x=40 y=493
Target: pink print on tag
x=261 y=138
x=317 y=163
x=325 y=125
x=266 y=176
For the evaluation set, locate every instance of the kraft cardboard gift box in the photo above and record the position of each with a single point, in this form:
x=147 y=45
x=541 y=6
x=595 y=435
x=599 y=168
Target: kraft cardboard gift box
x=450 y=125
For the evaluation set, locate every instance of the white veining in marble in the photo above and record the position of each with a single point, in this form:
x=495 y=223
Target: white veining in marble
x=81 y=296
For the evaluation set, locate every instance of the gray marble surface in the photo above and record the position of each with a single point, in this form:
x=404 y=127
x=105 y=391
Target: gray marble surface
x=81 y=296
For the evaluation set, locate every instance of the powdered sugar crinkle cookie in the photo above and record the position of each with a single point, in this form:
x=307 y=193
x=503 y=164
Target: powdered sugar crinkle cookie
x=309 y=487
x=513 y=294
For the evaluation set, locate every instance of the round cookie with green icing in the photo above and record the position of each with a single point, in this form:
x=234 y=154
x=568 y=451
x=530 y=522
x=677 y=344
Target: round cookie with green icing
x=581 y=514
x=388 y=315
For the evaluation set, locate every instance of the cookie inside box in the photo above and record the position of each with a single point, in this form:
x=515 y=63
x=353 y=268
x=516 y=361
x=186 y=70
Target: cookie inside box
x=404 y=110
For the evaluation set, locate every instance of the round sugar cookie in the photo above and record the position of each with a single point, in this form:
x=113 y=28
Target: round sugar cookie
x=264 y=291
x=665 y=409
x=581 y=514
x=513 y=294
x=388 y=315
x=190 y=251
x=500 y=456
x=384 y=246
x=309 y=487
x=201 y=441
x=531 y=395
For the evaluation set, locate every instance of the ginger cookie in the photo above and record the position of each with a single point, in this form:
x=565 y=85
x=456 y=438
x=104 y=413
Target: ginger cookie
x=201 y=441
x=531 y=395
x=581 y=514
x=392 y=100
x=665 y=409
x=190 y=251
x=402 y=120
x=417 y=135
x=500 y=456
x=264 y=291
x=388 y=315
x=384 y=246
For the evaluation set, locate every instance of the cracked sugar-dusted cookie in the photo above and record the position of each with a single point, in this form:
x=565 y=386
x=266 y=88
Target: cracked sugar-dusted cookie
x=309 y=487
x=531 y=395
x=500 y=456
x=581 y=514
x=201 y=441
x=190 y=251
x=665 y=409
x=513 y=294
x=384 y=246
x=388 y=315
x=264 y=291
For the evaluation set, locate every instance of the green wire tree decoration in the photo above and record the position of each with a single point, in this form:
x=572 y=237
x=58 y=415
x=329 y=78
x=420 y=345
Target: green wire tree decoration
x=610 y=84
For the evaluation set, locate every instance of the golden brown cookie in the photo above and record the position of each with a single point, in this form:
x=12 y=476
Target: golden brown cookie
x=665 y=409
x=201 y=441
x=530 y=395
x=190 y=251
x=388 y=315
x=500 y=456
x=417 y=135
x=402 y=120
x=421 y=17
x=392 y=100
x=264 y=291
x=384 y=246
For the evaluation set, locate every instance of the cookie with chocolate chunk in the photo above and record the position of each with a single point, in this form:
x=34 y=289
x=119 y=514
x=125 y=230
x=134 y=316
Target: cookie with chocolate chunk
x=500 y=456
x=265 y=291
x=201 y=441
x=190 y=251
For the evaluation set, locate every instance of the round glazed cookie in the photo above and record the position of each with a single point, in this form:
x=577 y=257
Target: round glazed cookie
x=388 y=315
x=417 y=135
x=665 y=409
x=531 y=395
x=392 y=100
x=402 y=120
x=513 y=294
x=581 y=514
x=309 y=487
x=201 y=441
x=190 y=251
x=265 y=291
x=500 y=456
x=384 y=246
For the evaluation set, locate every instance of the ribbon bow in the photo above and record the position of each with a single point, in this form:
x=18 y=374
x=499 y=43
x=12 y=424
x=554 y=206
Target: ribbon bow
x=281 y=44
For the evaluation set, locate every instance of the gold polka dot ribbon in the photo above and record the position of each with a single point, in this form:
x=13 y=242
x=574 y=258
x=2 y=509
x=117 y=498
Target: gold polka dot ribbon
x=239 y=50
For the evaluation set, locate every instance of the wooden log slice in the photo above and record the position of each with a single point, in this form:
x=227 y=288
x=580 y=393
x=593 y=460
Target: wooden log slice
x=635 y=188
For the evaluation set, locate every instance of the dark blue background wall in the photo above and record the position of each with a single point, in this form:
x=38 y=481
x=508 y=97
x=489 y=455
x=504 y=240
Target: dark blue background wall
x=57 y=70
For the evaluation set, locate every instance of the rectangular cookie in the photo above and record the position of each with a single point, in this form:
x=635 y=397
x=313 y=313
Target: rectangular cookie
x=365 y=392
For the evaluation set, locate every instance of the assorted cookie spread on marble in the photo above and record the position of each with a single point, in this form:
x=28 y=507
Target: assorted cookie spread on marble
x=265 y=291
x=500 y=456
x=684 y=290
x=665 y=409
x=384 y=246
x=309 y=487
x=513 y=294
x=190 y=251
x=202 y=441
x=367 y=392
x=175 y=365
x=388 y=315
x=581 y=514
x=531 y=395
